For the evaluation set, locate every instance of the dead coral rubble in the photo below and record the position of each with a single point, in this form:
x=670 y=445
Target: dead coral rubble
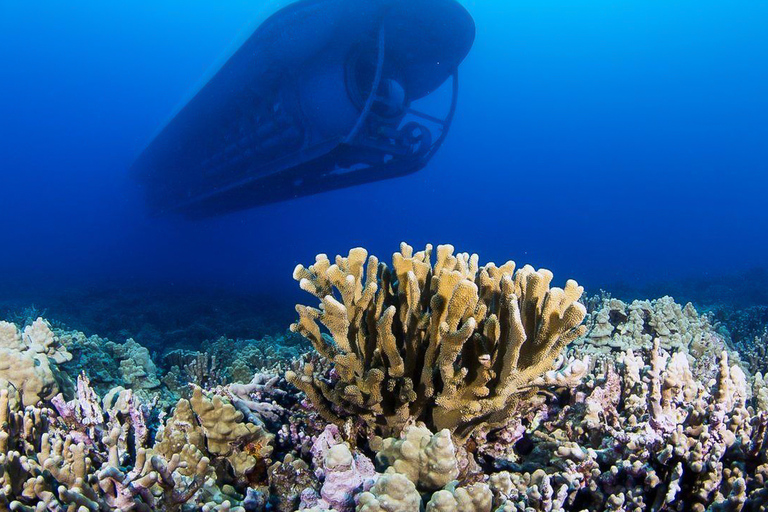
x=448 y=343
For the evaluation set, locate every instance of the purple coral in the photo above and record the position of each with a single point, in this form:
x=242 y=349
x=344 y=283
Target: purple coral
x=346 y=473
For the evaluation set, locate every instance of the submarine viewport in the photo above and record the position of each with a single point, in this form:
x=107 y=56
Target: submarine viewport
x=324 y=94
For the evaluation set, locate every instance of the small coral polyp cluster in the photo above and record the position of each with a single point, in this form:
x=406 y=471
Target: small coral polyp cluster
x=450 y=344
x=434 y=386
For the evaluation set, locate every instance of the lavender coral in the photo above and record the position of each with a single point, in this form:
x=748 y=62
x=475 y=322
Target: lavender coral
x=448 y=343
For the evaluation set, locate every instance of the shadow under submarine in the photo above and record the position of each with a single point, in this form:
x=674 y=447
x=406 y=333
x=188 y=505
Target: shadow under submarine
x=320 y=96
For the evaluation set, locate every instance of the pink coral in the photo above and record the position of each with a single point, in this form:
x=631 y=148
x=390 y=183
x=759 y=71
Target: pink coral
x=346 y=474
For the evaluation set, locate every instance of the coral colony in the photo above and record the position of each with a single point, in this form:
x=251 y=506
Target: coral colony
x=434 y=384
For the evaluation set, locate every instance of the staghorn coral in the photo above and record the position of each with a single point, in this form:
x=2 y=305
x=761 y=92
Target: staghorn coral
x=451 y=344
x=755 y=352
x=745 y=327
x=632 y=429
x=641 y=432
x=187 y=367
x=263 y=399
x=670 y=421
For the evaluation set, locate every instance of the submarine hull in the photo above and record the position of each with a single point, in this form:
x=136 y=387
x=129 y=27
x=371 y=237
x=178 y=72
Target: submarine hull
x=321 y=96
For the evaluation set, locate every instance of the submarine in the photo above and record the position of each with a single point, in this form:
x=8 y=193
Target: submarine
x=324 y=94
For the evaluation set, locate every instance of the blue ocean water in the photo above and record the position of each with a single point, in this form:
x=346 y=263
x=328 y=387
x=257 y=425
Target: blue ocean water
x=612 y=142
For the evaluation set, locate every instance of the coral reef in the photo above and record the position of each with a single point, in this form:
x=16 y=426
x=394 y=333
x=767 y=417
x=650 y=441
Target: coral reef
x=434 y=387
x=80 y=460
x=451 y=344
x=159 y=318
x=187 y=367
x=343 y=473
x=754 y=352
x=616 y=326
x=225 y=360
x=89 y=353
x=82 y=452
x=392 y=492
x=137 y=368
x=241 y=358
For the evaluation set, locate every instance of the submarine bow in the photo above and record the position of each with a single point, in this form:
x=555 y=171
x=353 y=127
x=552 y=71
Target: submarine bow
x=324 y=94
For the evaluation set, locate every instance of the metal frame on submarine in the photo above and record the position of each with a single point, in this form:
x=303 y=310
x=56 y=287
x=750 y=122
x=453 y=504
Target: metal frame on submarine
x=319 y=97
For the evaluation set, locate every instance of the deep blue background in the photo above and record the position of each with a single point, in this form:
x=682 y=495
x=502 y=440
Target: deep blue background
x=605 y=140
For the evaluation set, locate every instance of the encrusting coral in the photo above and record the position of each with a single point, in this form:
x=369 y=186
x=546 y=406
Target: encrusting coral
x=451 y=344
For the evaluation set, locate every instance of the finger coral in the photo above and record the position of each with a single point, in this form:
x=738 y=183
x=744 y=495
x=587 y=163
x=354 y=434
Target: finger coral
x=392 y=492
x=28 y=360
x=616 y=326
x=448 y=343
x=474 y=498
x=74 y=462
x=428 y=460
x=214 y=427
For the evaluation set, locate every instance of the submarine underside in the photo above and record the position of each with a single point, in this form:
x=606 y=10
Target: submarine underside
x=323 y=95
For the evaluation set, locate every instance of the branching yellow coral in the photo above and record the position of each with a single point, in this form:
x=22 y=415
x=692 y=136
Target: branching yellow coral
x=452 y=344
